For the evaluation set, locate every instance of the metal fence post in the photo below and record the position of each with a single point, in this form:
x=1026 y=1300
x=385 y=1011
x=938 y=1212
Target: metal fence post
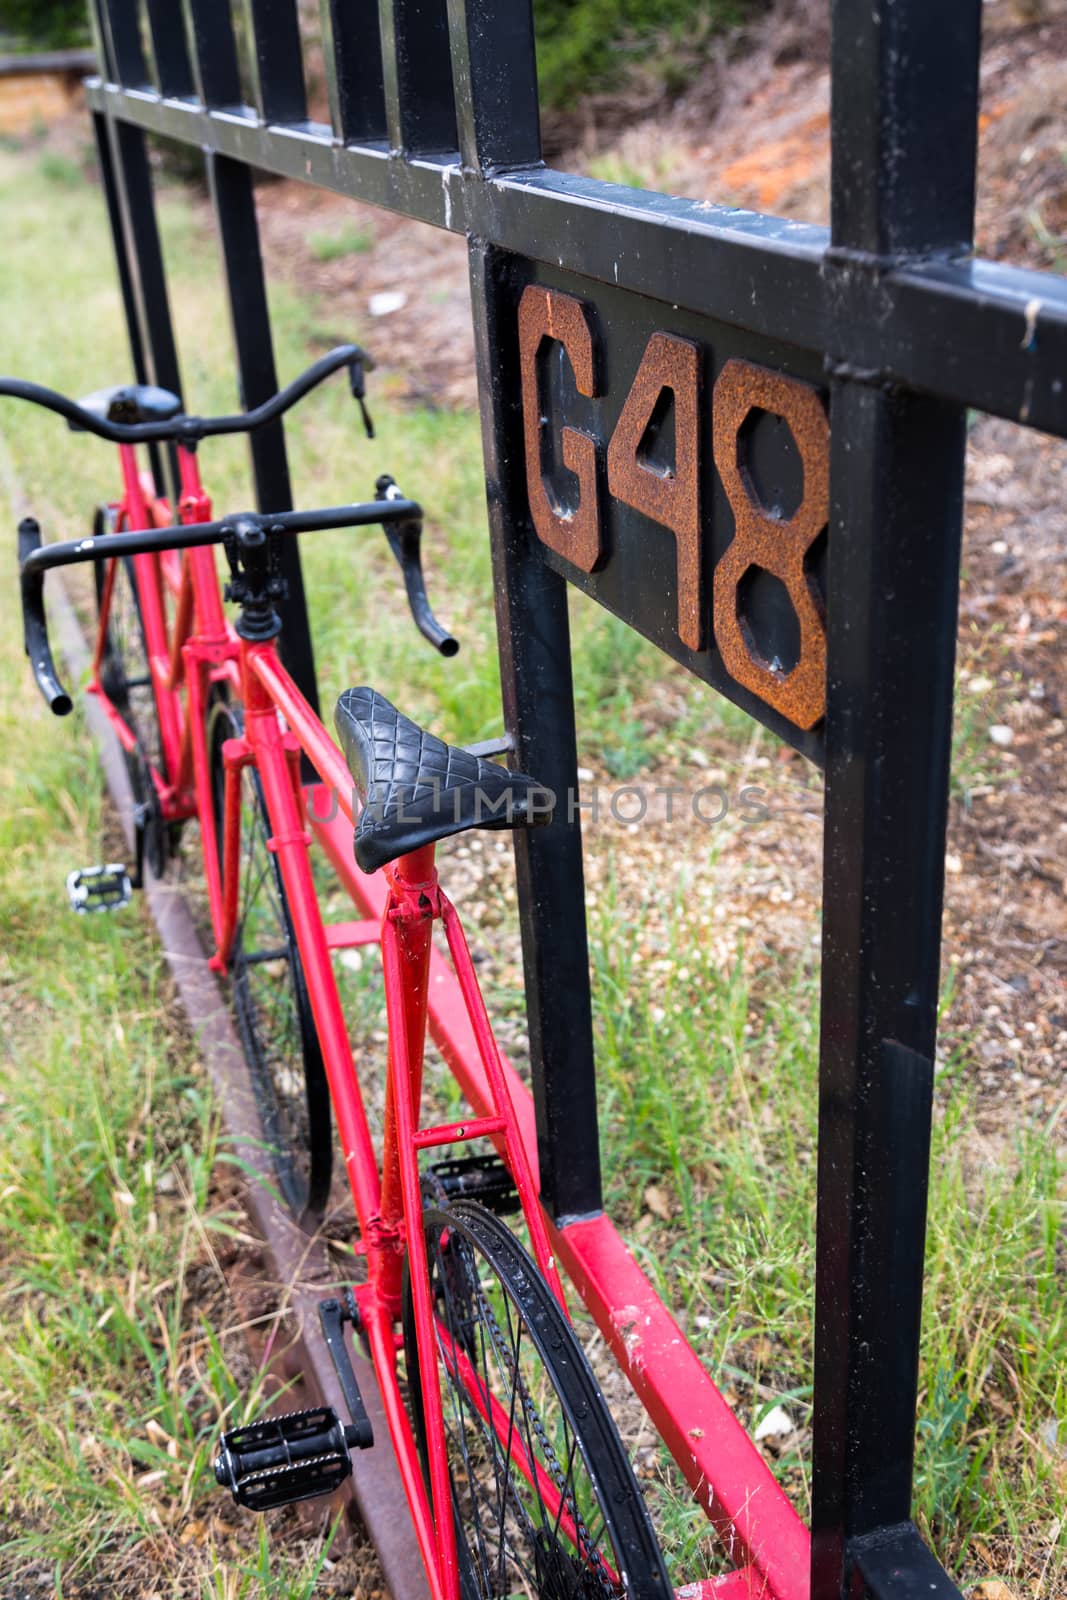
x=492 y=50
x=234 y=204
x=902 y=188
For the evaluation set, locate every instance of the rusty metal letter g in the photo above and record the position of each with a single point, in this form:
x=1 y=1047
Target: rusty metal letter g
x=575 y=535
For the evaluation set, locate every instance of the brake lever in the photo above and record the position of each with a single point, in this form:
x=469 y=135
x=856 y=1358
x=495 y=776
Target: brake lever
x=357 y=382
x=405 y=540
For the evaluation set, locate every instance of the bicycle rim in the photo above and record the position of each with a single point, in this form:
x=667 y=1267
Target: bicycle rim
x=124 y=669
x=270 y=1000
x=127 y=681
x=544 y=1499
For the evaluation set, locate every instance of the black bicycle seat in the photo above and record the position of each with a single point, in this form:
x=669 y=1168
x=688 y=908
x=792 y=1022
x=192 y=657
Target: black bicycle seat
x=417 y=789
x=130 y=402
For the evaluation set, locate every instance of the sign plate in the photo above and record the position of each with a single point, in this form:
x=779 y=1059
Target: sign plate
x=678 y=471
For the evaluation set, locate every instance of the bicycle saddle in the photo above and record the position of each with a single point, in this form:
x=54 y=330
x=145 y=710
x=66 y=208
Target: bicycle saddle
x=130 y=402
x=417 y=789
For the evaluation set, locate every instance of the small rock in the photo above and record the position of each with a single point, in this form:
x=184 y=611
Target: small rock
x=953 y=863
x=979 y=685
x=1049 y=1435
x=388 y=300
x=1001 y=734
x=774 y=1425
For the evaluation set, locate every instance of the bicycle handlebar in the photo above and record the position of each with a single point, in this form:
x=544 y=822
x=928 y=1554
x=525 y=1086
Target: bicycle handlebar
x=188 y=430
x=401 y=518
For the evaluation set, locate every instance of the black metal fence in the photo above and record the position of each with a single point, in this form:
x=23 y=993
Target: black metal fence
x=753 y=453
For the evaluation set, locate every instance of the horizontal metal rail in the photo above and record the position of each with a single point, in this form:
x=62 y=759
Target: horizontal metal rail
x=50 y=63
x=984 y=335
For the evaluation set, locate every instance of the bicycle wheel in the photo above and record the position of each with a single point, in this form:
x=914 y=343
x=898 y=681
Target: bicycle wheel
x=544 y=1499
x=127 y=682
x=270 y=999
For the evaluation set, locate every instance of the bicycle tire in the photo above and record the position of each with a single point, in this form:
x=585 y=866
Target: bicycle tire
x=127 y=681
x=591 y=1538
x=270 y=999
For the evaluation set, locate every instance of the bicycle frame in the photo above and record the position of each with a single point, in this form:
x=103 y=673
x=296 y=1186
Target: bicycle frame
x=200 y=649
x=203 y=649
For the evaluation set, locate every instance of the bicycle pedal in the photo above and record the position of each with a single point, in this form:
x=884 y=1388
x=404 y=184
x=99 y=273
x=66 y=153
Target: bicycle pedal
x=285 y=1459
x=482 y=1178
x=104 y=888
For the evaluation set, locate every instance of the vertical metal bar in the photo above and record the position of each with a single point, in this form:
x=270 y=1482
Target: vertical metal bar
x=896 y=508
x=118 y=240
x=494 y=71
x=102 y=40
x=121 y=23
x=904 y=124
x=122 y=263
x=144 y=281
x=420 y=105
x=235 y=217
x=233 y=201
x=214 y=53
x=137 y=203
x=352 y=52
x=170 y=48
x=535 y=664
x=277 y=60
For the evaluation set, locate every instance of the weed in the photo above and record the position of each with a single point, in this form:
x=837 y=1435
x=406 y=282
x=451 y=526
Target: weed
x=351 y=240
x=60 y=170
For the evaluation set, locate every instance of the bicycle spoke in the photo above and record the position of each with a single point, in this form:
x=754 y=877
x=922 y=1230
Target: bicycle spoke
x=535 y=1521
x=273 y=1011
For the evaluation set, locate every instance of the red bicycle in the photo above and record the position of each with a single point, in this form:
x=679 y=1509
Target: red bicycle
x=513 y=1469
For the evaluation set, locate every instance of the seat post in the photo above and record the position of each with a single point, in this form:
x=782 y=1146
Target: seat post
x=415 y=870
x=407 y=935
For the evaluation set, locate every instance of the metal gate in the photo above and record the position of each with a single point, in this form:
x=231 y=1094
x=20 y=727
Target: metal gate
x=630 y=350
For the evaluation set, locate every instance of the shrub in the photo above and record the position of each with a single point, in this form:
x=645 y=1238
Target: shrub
x=45 y=24
x=586 y=46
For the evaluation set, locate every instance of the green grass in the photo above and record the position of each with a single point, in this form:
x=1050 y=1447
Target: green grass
x=113 y=1380
x=707 y=1076
x=351 y=240
x=108 y=1226
x=709 y=1108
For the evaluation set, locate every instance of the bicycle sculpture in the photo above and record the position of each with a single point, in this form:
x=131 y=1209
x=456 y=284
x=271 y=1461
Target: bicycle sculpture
x=745 y=436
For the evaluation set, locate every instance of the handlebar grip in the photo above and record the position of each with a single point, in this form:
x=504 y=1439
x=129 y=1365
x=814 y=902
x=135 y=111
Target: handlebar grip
x=34 y=625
